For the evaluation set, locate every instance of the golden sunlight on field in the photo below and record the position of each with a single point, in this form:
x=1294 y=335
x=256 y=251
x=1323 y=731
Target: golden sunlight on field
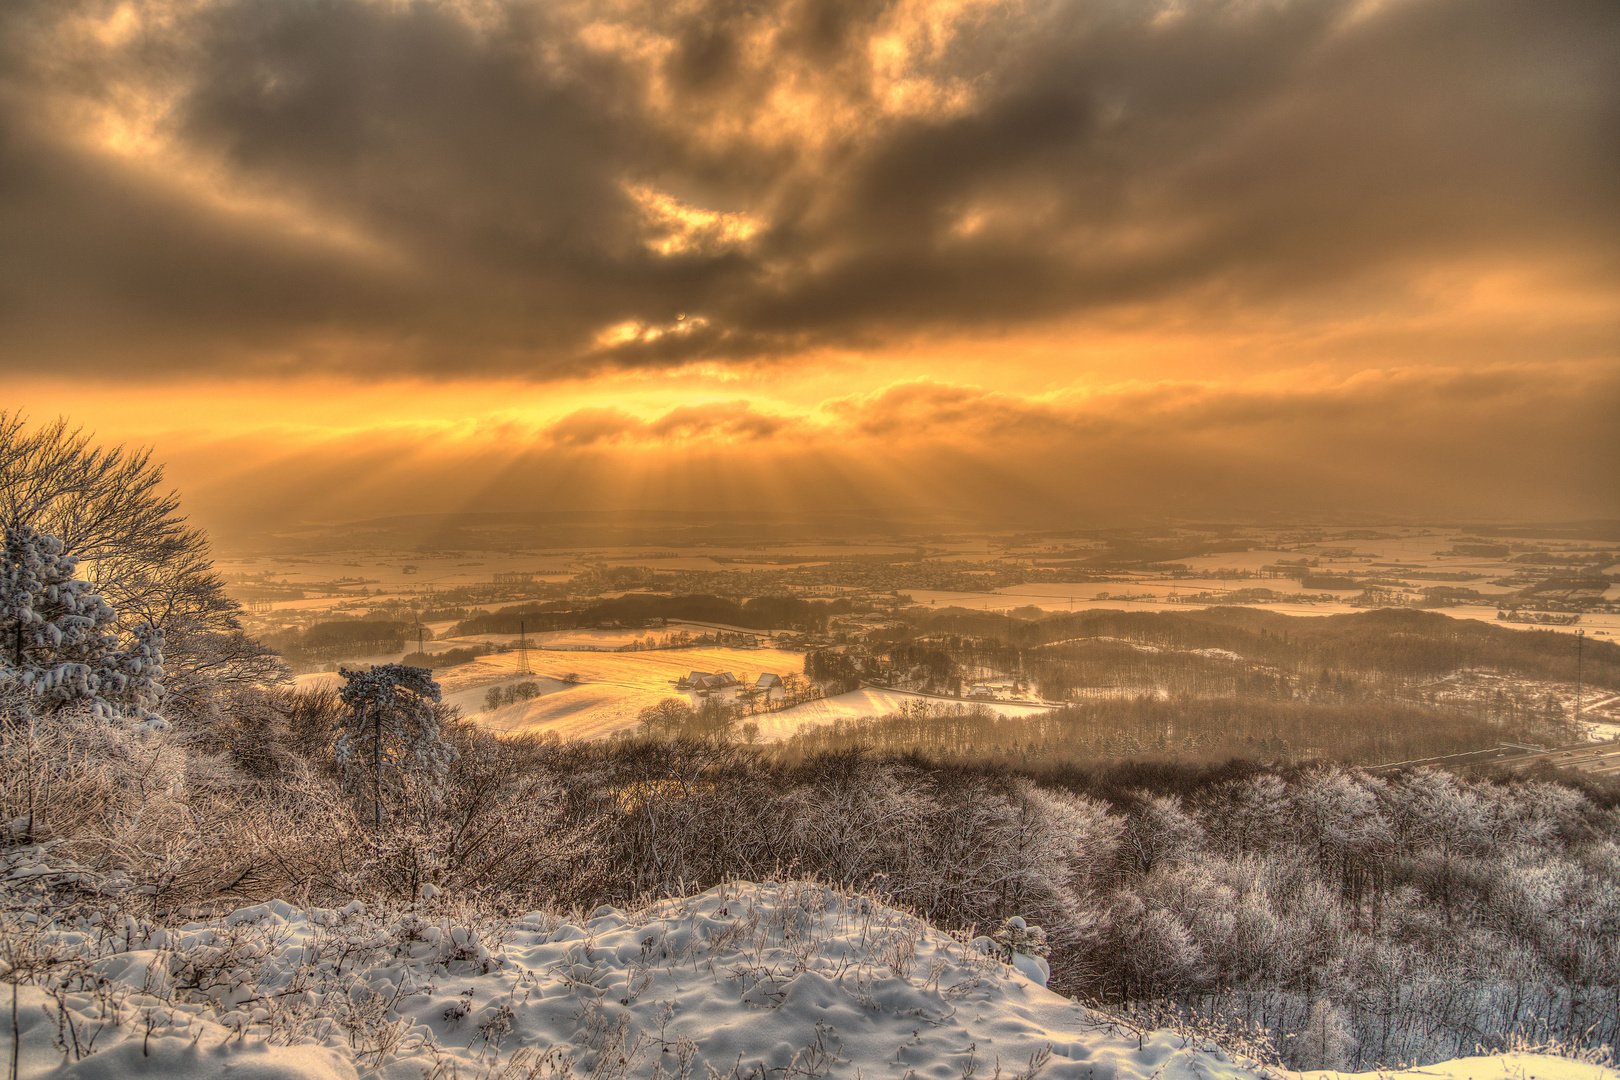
x=613 y=687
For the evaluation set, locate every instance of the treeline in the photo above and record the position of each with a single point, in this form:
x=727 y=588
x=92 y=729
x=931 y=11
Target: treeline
x=449 y=658
x=1136 y=553
x=1175 y=729
x=1395 y=643
x=341 y=639
x=932 y=665
x=411 y=611
x=716 y=717
x=1062 y=670
x=639 y=610
x=836 y=672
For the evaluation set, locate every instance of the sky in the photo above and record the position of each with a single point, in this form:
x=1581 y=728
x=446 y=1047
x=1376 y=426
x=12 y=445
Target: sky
x=1040 y=262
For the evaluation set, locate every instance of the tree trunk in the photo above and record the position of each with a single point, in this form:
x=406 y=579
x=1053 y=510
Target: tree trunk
x=376 y=769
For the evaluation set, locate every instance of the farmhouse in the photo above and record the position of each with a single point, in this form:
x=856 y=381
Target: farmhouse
x=702 y=682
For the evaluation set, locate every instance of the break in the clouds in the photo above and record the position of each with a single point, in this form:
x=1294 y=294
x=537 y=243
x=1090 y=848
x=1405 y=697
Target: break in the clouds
x=1418 y=445
x=532 y=189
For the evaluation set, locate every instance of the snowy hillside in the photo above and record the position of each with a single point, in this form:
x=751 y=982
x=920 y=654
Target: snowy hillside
x=774 y=981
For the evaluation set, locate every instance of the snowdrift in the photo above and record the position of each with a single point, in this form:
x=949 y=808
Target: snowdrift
x=743 y=982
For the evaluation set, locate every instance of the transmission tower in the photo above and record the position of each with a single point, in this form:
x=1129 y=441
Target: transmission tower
x=1580 y=640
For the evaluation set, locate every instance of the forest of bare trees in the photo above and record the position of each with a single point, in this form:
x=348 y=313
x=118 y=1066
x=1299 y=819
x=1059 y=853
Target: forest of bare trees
x=1388 y=647
x=1181 y=728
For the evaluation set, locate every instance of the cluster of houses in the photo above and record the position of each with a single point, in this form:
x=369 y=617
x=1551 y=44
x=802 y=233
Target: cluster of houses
x=705 y=683
x=1016 y=690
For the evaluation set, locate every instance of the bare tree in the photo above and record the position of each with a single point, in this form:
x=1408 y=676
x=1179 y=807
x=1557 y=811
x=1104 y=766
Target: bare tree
x=665 y=717
x=111 y=511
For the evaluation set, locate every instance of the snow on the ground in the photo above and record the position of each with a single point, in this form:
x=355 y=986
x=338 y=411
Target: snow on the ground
x=594 y=710
x=586 y=638
x=1213 y=654
x=589 y=711
x=1517 y=1066
x=471 y=699
x=790 y=981
x=858 y=704
x=613 y=687
x=654 y=669
x=785 y=980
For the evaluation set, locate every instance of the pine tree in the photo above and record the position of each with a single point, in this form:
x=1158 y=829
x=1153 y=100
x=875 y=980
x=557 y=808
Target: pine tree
x=391 y=727
x=61 y=641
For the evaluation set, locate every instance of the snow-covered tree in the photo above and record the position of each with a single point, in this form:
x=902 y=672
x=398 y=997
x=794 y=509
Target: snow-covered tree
x=1160 y=951
x=1159 y=830
x=391 y=735
x=1059 y=844
x=61 y=641
x=1255 y=813
x=110 y=511
x=1327 y=1040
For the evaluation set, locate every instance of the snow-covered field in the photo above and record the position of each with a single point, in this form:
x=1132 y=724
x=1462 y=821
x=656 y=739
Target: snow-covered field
x=652 y=670
x=1495 y=1067
x=866 y=702
x=774 y=982
x=573 y=712
x=613 y=687
x=591 y=638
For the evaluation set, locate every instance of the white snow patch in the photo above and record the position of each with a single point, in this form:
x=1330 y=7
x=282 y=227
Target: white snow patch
x=1218 y=654
x=790 y=981
x=871 y=701
x=1513 y=1066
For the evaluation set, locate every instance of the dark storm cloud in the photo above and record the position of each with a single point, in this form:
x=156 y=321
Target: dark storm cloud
x=284 y=184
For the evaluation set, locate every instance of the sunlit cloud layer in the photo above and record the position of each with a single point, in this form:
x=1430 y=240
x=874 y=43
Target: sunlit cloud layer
x=1420 y=445
x=1222 y=255
x=512 y=186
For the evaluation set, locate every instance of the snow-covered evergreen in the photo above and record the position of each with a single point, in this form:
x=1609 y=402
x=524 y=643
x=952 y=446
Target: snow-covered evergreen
x=60 y=640
x=391 y=737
